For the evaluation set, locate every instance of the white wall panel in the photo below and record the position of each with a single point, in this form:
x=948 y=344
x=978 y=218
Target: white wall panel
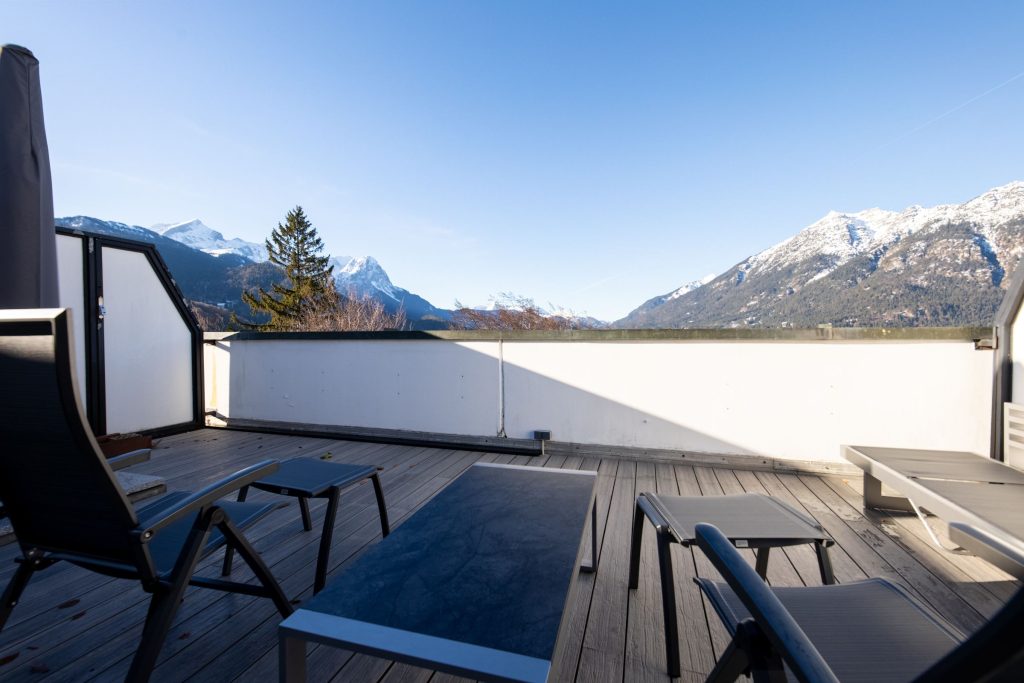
x=148 y=347
x=71 y=281
x=434 y=386
x=784 y=400
x=217 y=378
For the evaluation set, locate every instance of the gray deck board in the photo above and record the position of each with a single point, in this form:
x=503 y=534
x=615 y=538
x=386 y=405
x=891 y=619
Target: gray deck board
x=73 y=625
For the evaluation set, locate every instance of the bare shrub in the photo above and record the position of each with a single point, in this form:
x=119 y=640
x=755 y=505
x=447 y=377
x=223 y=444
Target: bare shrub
x=349 y=313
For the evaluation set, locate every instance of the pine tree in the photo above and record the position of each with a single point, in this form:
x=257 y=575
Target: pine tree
x=309 y=286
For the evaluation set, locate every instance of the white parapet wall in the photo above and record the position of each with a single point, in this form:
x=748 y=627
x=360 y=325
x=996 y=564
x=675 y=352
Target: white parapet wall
x=796 y=400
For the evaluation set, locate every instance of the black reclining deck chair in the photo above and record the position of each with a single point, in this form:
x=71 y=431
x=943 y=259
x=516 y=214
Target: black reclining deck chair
x=864 y=631
x=65 y=504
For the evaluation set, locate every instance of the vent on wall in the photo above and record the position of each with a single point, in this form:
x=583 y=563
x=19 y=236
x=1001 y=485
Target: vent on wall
x=1013 y=434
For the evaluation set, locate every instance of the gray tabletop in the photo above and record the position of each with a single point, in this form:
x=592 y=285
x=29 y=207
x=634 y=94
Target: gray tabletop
x=311 y=477
x=476 y=582
x=746 y=516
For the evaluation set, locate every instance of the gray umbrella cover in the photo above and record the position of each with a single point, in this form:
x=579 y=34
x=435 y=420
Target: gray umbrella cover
x=28 y=244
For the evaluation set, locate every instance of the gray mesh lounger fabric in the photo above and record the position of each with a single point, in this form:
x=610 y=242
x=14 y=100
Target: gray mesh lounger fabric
x=864 y=631
x=867 y=631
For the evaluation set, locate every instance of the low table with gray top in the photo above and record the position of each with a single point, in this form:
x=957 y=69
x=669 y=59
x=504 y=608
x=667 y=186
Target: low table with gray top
x=475 y=583
x=306 y=478
x=748 y=520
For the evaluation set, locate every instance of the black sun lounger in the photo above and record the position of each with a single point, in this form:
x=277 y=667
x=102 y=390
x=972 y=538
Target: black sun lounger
x=864 y=631
x=65 y=503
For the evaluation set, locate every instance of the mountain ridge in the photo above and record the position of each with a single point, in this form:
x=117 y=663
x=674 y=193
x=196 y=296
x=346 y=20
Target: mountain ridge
x=941 y=265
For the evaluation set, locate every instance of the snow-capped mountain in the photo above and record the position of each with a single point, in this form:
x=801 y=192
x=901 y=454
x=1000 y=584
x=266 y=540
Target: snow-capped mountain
x=365 y=276
x=840 y=237
x=689 y=287
x=199 y=236
x=675 y=294
x=507 y=301
x=112 y=228
x=214 y=270
x=941 y=265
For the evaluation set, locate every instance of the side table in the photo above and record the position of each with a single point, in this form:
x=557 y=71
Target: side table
x=305 y=478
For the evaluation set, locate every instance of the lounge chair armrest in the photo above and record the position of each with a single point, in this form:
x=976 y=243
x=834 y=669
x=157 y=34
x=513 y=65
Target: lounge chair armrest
x=771 y=616
x=119 y=462
x=212 y=493
x=998 y=551
x=652 y=512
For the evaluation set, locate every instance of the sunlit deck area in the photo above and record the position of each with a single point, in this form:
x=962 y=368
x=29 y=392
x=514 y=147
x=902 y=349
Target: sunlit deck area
x=75 y=625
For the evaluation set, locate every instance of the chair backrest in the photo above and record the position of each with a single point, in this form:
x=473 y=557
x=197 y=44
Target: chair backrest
x=55 y=484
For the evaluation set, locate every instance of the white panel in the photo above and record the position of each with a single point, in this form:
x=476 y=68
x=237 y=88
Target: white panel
x=784 y=400
x=71 y=281
x=434 y=386
x=217 y=378
x=147 y=347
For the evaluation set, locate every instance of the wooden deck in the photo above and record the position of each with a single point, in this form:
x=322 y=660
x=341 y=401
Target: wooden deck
x=73 y=625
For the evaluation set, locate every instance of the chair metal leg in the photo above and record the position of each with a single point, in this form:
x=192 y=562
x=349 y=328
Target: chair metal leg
x=593 y=535
x=824 y=563
x=668 y=602
x=326 y=537
x=730 y=666
x=307 y=521
x=761 y=565
x=256 y=564
x=12 y=593
x=291 y=660
x=382 y=509
x=592 y=567
x=165 y=601
x=229 y=552
x=634 y=546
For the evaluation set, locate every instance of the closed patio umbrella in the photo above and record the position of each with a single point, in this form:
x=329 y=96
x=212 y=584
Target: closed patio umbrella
x=28 y=244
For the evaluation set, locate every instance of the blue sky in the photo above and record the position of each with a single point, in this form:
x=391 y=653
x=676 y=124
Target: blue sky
x=591 y=155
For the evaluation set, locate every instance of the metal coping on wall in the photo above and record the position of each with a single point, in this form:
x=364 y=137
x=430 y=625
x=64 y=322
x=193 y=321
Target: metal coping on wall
x=838 y=334
x=1002 y=363
x=92 y=250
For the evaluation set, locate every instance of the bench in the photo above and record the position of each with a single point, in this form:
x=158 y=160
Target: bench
x=475 y=583
x=981 y=499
